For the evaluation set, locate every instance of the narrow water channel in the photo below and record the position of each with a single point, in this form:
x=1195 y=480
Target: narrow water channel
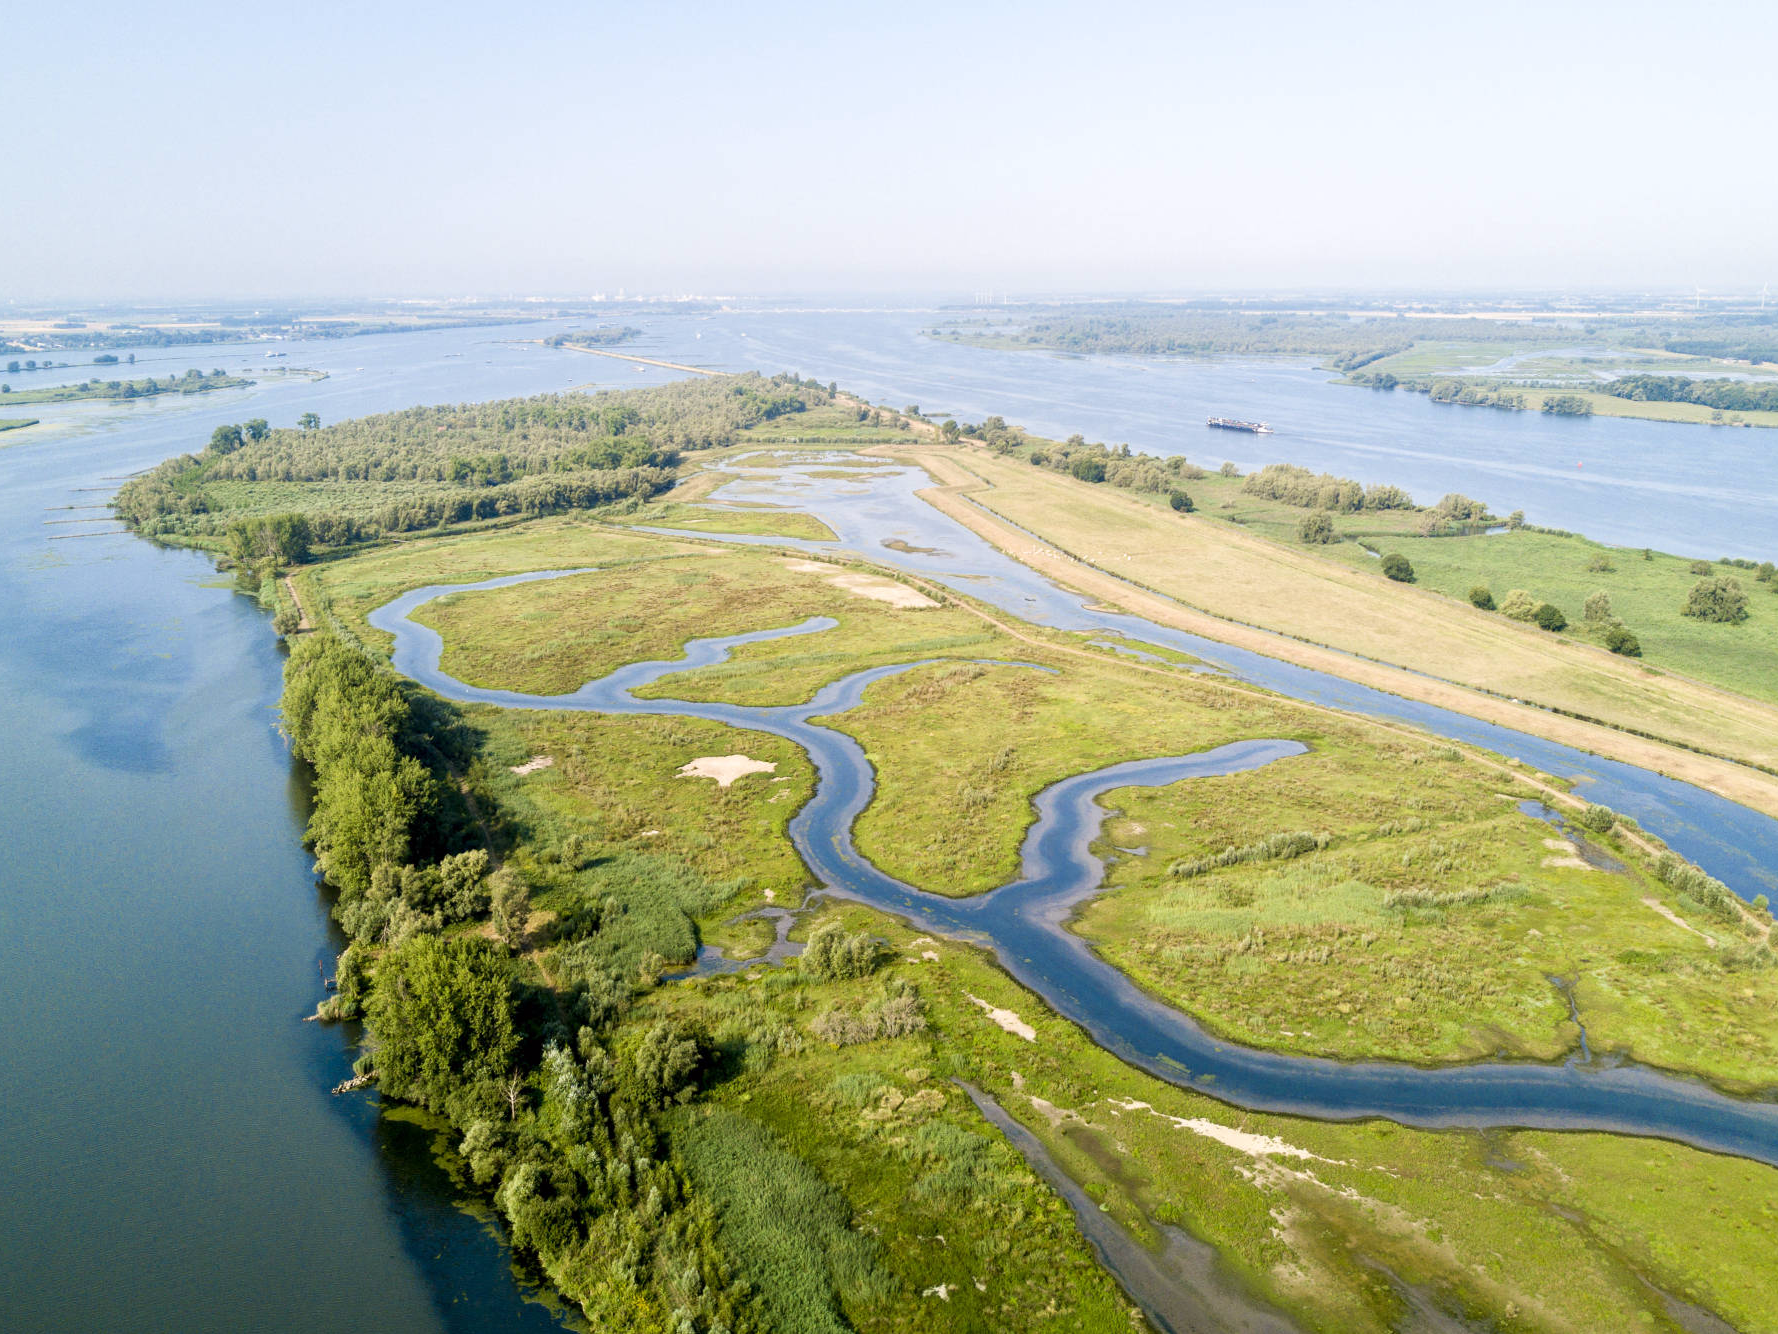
x=1024 y=922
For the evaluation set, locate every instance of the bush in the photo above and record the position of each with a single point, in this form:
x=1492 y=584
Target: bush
x=1601 y=564
x=443 y=1017
x=1620 y=641
x=1519 y=605
x=665 y=1066
x=1598 y=818
x=1088 y=469
x=1720 y=600
x=1180 y=502
x=831 y=954
x=1273 y=847
x=1387 y=498
x=1598 y=609
x=1702 y=567
x=1479 y=596
x=1549 y=617
x=1397 y=567
x=1229 y=470
x=286 y=621
x=1767 y=573
x=1315 y=529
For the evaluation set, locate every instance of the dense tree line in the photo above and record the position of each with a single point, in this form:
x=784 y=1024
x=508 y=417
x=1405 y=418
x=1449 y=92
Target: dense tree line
x=426 y=467
x=1727 y=395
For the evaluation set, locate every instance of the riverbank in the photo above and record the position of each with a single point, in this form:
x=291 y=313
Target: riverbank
x=1133 y=555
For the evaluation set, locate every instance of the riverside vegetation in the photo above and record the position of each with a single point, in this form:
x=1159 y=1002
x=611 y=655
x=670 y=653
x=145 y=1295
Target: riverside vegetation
x=781 y=1148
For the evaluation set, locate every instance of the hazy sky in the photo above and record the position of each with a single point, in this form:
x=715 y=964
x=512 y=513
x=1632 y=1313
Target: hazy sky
x=190 y=150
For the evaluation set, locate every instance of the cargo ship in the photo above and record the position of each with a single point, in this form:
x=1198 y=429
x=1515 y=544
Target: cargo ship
x=1236 y=424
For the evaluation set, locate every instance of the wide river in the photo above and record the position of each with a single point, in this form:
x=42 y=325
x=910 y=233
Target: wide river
x=174 y=1159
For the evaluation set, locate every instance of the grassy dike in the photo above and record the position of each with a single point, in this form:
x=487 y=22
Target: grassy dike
x=1290 y=602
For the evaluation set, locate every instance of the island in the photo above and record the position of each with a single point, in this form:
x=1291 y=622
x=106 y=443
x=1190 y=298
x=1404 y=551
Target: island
x=816 y=868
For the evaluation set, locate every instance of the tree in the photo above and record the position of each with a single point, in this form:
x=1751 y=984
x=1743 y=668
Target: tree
x=1228 y=469
x=1720 y=600
x=257 y=429
x=512 y=907
x=1549 y=617
x=1598 y=608
x=1702 y=567
x=443 y=1016
x=1088 y=469
x=950 y=430
x=665 y=1065
x=1181 y=502
x=1479 y=596
x=1620 y=641
x=308 y=422
x=225 y=439
x=1315 y=529
x=1397 y=567
x=1519 y=605
x=1767 y=573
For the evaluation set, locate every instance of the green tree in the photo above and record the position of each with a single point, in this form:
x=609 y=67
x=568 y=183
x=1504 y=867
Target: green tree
x=1598 y=608
x=1479 y=596
x=832 y=954
x=1315 y=529
x=225 y=439
x=1181 y=502
x=1619 y=640
x=950 y=430
x=256 y=430
x=512 y=907
x=1519 y=605
x=1549 y=617
x=442 y=1013
x=308 y=422
x=1088 y=469
x=1721 y=600
x=665 y=1066
x=1398 y=568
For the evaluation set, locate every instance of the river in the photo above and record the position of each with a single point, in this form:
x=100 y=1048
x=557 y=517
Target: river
x=174 y=1158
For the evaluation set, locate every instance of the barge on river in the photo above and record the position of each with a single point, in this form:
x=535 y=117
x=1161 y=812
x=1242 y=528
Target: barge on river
x=1236 y=424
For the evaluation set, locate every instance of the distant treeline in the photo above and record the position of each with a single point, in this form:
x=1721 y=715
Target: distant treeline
x=192 y=382
x=1346 y=343
x=595 y=337
x=426 y=467
x=1728 y=395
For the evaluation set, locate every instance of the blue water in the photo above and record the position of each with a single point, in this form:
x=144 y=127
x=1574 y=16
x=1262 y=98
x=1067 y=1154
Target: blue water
x=1023 y=922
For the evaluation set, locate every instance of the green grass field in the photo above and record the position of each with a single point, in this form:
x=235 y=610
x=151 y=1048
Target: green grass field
x=853 y=1179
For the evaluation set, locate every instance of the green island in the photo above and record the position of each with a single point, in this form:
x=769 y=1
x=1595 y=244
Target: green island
x=16 y=423
x=785 y=1147
x=192 y=382
x=1618 y=363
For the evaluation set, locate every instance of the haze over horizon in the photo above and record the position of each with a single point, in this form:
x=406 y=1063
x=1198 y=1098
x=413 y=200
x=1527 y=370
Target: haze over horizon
x=201 y=150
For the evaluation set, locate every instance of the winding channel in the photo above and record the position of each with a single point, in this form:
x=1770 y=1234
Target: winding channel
x=1023 y=922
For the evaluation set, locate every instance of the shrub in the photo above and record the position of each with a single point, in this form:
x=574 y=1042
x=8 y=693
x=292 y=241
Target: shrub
x=1088 y=469
x=1720 y=600
x=1397 y=567
x=1620 y=641
x=286 y=621
x=665 y=1066
x=1549 y=617
x=1519 y=605
x=1180 y=502
x=1767 y=573
x=1601 y=564
x=1315 y=529
x=1702 y=567
x=1479 y=596
x=1598 y=818
x=1598 y=608
x=1387 y=498
x=831 y=954
x=1229 y=470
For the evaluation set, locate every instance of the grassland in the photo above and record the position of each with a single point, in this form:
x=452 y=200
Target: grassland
x=807 y=1150
x=961 y=747
x=1217 y=581
x=16 y=423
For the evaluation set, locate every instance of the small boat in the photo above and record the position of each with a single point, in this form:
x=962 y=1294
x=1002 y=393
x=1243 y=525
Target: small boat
x=1236 y=424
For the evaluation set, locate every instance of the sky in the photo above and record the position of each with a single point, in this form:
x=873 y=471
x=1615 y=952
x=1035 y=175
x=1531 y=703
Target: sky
x=193 y=151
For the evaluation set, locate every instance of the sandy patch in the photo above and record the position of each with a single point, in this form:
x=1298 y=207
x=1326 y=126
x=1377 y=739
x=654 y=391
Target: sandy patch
x=1007 y=1020
x=931 y=956
x=1572 y=863
x=862 y=585
x=725 y=769
x=535 y=763
x=1677 y=920
x=1254 y=1146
